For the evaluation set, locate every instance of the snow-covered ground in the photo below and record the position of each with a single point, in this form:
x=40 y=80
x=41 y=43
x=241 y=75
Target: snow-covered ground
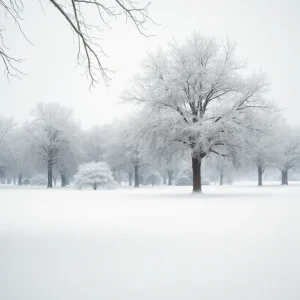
x=234 y=242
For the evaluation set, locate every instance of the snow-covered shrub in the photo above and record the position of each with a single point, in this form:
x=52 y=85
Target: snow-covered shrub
x=95 y=175
x=38 y=179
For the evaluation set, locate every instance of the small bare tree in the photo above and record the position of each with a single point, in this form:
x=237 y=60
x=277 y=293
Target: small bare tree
x=78 y=14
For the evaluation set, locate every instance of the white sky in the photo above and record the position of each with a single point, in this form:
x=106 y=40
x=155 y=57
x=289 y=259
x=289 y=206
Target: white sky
x=266 y=32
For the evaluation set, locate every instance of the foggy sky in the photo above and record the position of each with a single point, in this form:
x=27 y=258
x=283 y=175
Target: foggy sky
x=267 y=34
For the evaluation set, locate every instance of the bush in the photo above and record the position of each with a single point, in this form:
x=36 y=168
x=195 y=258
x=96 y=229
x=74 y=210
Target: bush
x=95 y=175
x=39 y=180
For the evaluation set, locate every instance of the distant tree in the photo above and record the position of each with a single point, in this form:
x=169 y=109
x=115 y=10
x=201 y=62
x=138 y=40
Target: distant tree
x=197 y=94
x=152 y=178
x=221 y=165
x=20 y=157
x=164 y=157
x=69 y=158
x=95 y=175
x=115 y=152
x=288 y=151
x=135 y=149
x=137 y=161
x=51 y=132
x=6 y=128
x=93 y=144
x=66 y=166
x=80 y=16
x=260 y=148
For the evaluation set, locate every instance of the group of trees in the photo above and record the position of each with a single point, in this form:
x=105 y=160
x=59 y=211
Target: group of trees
x=51 y=147
x=47 y=140
x=201 y=109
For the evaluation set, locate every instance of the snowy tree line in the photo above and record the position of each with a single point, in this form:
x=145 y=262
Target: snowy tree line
x=203 y=115
x=51 y=148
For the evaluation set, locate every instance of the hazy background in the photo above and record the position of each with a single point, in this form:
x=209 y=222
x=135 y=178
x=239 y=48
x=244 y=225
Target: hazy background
x=267 y=33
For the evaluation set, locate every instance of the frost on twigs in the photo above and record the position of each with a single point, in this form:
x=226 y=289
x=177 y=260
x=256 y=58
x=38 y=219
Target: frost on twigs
x=94 y=175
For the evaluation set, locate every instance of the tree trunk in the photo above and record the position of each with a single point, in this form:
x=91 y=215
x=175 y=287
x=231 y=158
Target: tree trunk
x=165 y=180
x=63 y=180
x=170 y=177
x=15 y=180
x=49 y=185
x=114 y=174
x=136 y=176
x=221 y=179
x=260 y=174
x=284 y=177
x=8 y=180
x=20 y=177
x=196 y=166
x=130 y=178
x=54 y=181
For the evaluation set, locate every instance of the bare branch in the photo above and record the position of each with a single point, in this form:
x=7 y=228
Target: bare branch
x=12 y=10
x=77 y=13
x=89 y=49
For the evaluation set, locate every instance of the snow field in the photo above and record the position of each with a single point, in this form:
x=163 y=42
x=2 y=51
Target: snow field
x=232 y=242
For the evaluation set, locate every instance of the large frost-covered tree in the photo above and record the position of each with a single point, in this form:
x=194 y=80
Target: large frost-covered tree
x=52 y=131
x=200 y=95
